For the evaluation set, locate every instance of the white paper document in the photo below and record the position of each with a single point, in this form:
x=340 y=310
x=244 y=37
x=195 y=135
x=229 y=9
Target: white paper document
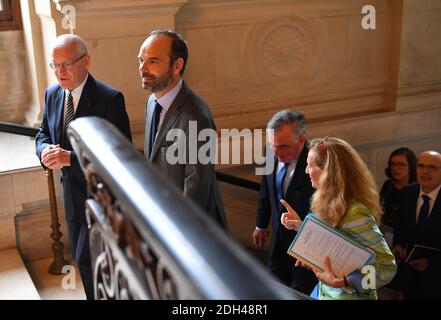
x=316 y=239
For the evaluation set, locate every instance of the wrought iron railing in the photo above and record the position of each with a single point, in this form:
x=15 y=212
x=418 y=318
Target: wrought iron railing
x=149 y=242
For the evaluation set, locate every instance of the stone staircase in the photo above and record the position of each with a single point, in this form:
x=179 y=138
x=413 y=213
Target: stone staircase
x=15 y=281
x=24 y=269
x=25 y=243
x=32 y=281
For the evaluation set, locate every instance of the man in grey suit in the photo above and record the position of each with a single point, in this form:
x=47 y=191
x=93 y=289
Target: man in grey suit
x=174 y=106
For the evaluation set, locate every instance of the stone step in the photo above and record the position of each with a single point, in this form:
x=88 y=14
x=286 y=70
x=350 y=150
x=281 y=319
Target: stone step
x=15 y=281
x=56 y=287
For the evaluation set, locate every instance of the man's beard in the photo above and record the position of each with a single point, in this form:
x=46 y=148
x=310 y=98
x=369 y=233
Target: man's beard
x=159 y=82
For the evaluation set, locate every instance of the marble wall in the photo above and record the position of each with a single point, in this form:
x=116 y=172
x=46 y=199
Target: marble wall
x=379 y=89
x=14 y=91
x=249 y=59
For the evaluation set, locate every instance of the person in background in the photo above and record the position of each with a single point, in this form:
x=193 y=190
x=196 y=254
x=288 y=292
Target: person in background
x=401 y=171
x=346 y=198
x=286 y=136
x=419 y=223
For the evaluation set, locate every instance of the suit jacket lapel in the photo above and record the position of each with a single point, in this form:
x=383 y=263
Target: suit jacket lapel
x=436 y=207
x=272 y=181
x=148 y=127
x=297 y=180
x=170 y=118
x=87 y=98
x=58 y=124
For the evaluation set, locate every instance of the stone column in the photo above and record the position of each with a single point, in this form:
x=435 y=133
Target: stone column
x=13 y=77
x=41 y=24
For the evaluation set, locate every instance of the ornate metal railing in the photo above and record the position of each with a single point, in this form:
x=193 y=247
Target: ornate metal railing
x=146 y=240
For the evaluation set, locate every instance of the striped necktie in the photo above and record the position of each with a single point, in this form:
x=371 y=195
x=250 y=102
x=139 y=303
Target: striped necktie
x=70 y=112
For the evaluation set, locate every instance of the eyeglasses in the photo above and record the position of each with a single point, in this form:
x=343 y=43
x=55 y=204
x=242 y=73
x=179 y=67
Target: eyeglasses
x=66 y=65
x=430 y=167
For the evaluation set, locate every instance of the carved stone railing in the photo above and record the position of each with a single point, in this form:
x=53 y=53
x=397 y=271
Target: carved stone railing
x=149 y=242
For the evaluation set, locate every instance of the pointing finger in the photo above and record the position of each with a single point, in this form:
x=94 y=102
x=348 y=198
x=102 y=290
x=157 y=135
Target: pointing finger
x=291 y=211
x=286 y=205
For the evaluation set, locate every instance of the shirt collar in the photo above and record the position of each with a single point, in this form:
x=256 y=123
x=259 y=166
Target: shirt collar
x=288 y=165
x=76 y=93
x=167 y=99
x=432 y=195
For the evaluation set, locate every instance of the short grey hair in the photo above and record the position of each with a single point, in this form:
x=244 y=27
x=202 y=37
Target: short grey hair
x=65 y=40
x=288 y=117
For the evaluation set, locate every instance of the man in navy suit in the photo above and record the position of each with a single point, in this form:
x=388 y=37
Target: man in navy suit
x=77 y=94
x=419 y=222
x=286 y=135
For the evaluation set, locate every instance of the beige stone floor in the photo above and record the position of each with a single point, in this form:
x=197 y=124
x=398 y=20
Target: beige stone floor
x=15 y=283
x=50 y=287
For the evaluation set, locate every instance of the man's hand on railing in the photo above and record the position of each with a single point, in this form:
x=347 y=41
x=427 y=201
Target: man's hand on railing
x=54 y=157
x=259 y=238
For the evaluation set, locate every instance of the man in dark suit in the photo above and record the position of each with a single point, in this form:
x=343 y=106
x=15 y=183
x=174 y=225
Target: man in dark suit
x=286 y=136
x=77 y=94
x=419 y=222
x=174 y=107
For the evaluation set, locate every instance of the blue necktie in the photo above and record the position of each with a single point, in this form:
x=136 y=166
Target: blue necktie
x=424 y=211
x=155 y=123
x=279 y=184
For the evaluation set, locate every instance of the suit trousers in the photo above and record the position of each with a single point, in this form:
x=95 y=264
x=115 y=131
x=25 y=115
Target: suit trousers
x=282 y=265
x=74 y=212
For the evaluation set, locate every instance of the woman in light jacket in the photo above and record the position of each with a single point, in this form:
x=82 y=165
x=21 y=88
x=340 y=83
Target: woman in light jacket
x=346 y=198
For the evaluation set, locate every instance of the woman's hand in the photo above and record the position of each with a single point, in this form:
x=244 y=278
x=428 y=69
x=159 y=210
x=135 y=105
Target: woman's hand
x=301 y=264
x=328 y=277
x=290 y=220
x=419 y=264
x=399 y=253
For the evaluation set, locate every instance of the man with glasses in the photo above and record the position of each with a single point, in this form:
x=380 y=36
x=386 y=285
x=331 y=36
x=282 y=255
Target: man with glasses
x=289 y=181
x=77 y=94
x=419 y=223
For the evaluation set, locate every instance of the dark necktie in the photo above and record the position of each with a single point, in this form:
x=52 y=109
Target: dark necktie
x=70 y=113
x=155 y=123
x=279 y=184
x=424 y=211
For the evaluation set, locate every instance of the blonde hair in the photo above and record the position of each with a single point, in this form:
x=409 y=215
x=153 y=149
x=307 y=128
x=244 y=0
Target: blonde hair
x=345 y=178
